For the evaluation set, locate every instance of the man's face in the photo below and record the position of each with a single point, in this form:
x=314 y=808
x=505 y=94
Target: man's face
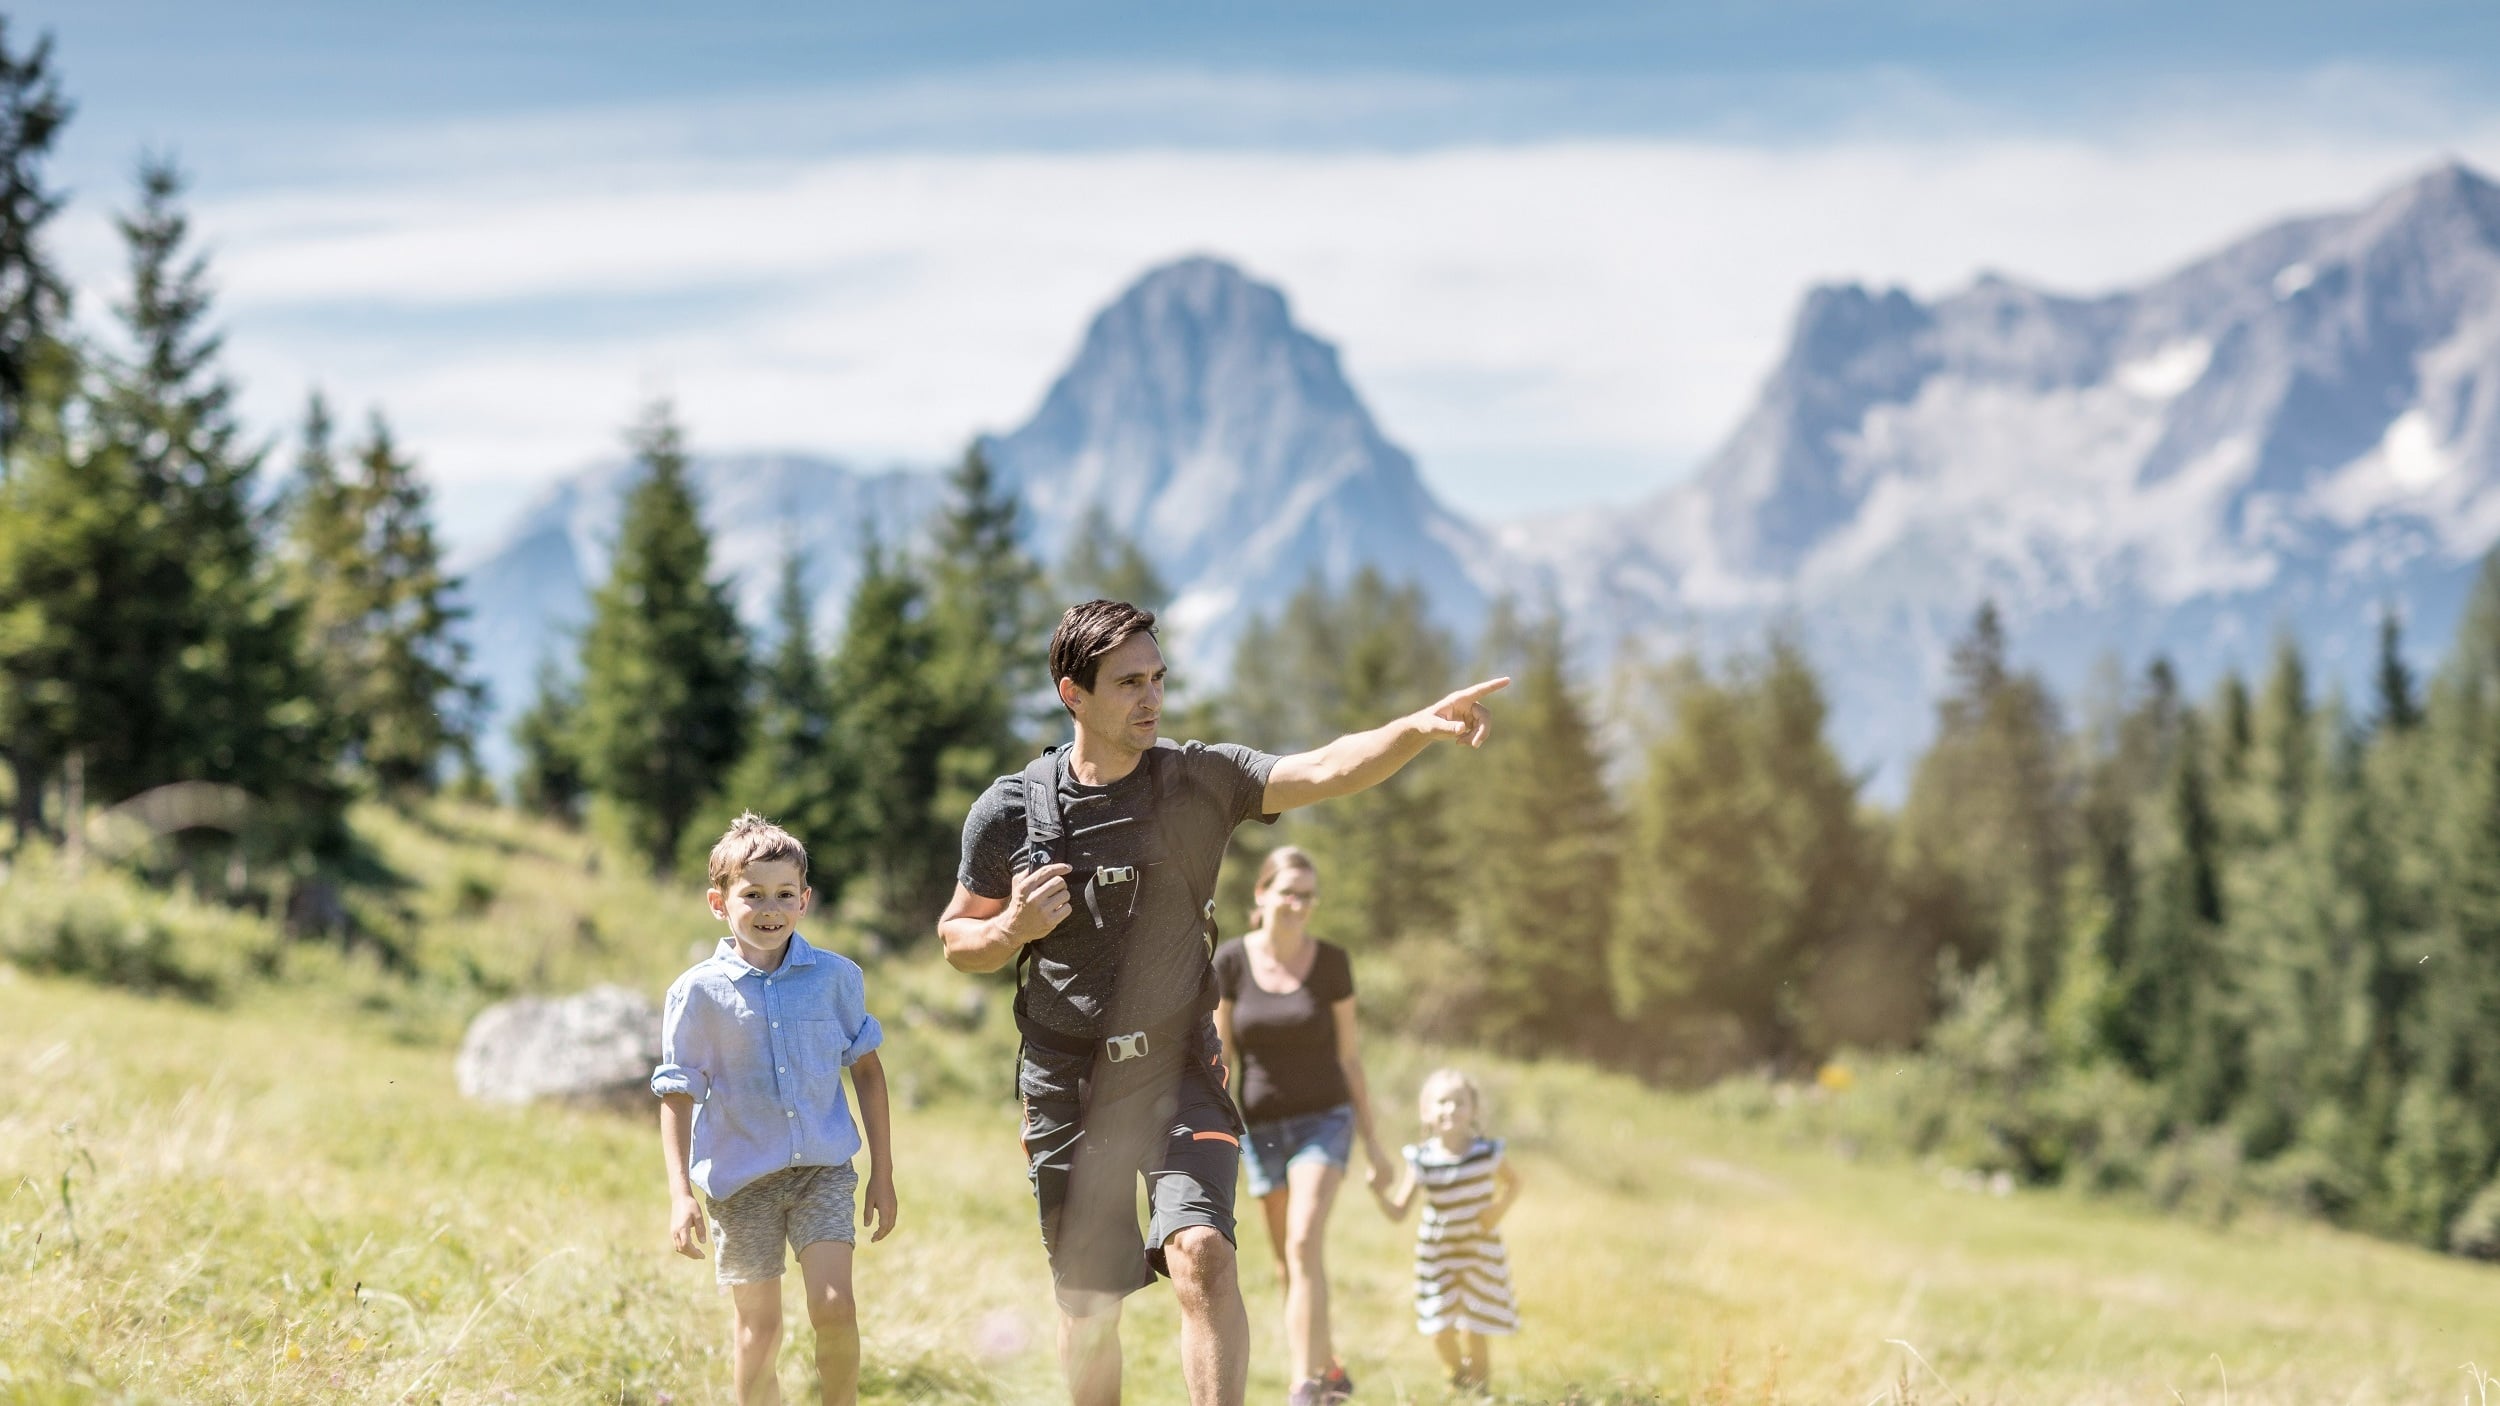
x=763 y=903
x=1125 y=705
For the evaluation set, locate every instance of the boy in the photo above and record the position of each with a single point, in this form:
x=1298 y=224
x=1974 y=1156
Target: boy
x=753 y=1042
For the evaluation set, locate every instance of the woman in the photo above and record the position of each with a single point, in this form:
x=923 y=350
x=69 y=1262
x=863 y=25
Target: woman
x=1286 y=1012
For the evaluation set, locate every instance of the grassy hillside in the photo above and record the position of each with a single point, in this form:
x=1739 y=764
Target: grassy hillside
x=276 y=1196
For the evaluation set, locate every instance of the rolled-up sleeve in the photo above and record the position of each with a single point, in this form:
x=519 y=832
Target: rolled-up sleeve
x=869 y=1036
x=678 y=1072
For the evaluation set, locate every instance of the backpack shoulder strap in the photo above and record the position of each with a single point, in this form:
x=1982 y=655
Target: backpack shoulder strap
x=1042 y=830
x=1042 y=834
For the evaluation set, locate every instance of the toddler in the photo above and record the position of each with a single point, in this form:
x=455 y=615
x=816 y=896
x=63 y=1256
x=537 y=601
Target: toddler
x=1462 y=1274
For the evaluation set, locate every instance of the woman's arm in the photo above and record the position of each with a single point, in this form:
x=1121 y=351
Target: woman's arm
x=1393 y=1203
x=1358 y=1093
x=1505 y=1191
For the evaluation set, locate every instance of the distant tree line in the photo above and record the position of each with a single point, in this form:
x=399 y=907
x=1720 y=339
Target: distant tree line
x=2241 y=945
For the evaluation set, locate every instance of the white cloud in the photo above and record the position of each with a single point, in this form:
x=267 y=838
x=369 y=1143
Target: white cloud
x=1590 y=317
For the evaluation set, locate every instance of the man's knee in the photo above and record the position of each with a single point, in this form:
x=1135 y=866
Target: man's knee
x=1200 y=1257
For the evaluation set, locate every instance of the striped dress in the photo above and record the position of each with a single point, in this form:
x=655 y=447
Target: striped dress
x=1462 y=1274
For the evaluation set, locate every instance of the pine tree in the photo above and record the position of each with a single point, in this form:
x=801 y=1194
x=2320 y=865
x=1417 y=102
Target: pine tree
x=34 y=300
x=1987 y=830
x=664 y=662
x=549 y=779
x=379 y=610
x=896 y=848
x=2173 y=983
x=986 y=644
x=793 y=771
x=2399 y=710
x=77 y=545
x=1339 y=663
x=234 y=698
x=1745 y=868
x=1534 y=813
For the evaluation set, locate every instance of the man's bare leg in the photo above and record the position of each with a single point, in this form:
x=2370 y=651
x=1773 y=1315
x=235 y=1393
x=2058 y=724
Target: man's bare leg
x=1215 y=1327
x=1089 y=1353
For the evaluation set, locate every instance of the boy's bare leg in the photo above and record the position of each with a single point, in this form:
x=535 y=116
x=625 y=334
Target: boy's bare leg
x=1479 y=1350
x=1089 y=1354
x=755 y=1336
x=1215 y=1327
x=825 y=1270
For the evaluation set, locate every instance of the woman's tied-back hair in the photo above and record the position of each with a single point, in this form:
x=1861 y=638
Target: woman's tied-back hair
x=1090 y=631
x=753 y=840
x=1443 y=1079
x=1278 y=860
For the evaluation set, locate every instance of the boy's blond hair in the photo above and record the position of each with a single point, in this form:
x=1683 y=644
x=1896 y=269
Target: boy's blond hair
x=1448 y=1078
x=751 y=839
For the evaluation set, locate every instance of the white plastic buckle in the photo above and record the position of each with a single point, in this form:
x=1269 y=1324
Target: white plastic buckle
x=1116 y=874
x=1127 y=1047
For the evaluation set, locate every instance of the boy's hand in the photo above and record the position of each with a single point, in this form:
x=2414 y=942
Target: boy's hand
x=1375 y=1176
x=882 y=1207
x=1038 y=902
x=685 y=1226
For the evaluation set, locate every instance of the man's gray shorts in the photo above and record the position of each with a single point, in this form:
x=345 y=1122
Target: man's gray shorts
x=797 y=1207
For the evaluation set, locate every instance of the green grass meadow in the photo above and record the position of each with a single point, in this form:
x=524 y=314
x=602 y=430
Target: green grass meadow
x=277 y=1196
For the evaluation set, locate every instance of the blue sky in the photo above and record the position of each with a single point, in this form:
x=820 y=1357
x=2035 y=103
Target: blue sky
x=1558 y=245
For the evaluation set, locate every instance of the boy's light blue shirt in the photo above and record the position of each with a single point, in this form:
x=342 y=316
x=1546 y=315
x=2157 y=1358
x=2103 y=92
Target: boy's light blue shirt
x=762 y=1054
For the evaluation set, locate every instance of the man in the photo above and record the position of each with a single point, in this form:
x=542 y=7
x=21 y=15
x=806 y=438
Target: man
x=1097 y=866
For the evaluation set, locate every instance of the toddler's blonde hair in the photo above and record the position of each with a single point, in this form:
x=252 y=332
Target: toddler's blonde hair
x=1448 y=1078
x=751 y=840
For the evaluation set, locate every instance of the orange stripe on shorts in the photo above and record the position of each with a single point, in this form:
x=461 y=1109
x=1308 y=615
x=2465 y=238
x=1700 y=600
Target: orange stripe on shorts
x=1215 y=1137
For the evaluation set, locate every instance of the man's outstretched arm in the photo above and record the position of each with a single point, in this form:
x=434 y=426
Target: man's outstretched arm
x=1359 y=761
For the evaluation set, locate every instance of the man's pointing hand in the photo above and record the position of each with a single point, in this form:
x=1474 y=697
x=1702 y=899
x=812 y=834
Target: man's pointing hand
x=1462 y=716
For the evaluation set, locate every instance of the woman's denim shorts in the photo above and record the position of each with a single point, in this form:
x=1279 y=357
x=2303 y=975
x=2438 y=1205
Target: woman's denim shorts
x=1326 y=1136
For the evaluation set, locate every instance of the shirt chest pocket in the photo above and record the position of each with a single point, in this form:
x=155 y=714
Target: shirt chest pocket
x=1126 y=856
x=818 y=1046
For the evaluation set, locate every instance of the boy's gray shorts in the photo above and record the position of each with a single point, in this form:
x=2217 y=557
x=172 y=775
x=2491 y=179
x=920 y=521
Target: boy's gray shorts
x=797 y=1207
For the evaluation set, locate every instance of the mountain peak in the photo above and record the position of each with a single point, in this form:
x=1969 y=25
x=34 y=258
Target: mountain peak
x=1227 y=441
x=2450 y=197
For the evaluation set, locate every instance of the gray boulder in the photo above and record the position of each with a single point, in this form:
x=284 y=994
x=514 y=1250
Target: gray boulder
x=597 y=1047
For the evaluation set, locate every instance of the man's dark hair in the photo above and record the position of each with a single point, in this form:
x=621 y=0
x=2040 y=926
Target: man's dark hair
x=1090 y=631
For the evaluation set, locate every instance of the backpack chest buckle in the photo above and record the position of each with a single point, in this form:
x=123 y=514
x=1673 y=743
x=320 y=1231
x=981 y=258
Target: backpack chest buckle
x=1123 y=1048
x=1116 y=874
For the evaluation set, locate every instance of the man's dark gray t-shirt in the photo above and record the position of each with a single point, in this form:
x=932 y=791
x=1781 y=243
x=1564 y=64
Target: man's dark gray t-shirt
x=1081 y=982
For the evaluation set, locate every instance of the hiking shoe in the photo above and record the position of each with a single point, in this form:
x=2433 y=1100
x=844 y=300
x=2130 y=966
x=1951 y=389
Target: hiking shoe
x=1335 y=1385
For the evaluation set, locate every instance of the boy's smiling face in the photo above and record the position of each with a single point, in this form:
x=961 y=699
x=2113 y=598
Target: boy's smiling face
x=762 y=905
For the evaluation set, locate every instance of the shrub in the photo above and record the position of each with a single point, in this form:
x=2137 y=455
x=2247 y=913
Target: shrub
x=2476 y=1231
x=109 y=929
